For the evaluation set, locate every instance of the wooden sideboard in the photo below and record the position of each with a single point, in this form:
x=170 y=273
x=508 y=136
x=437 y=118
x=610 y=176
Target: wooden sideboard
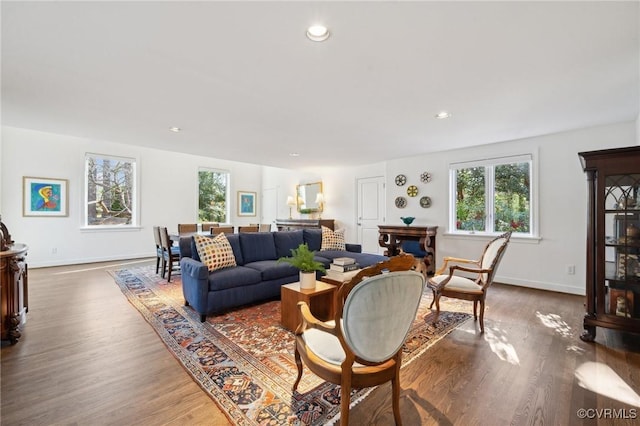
x=391 y=237
x=293 y=224
x=13 y=290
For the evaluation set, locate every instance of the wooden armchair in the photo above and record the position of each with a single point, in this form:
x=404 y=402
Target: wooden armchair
x=474 y=288
x=362 y=346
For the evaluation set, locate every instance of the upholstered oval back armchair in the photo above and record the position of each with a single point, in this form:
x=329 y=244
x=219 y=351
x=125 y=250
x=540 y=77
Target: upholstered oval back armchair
x=473 y=286
x=362 y=346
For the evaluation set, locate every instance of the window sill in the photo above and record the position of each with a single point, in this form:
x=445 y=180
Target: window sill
x=115 y=228
x=525 y=239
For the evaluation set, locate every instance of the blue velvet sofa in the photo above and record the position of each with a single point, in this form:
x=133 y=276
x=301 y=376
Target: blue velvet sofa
x=258 y=275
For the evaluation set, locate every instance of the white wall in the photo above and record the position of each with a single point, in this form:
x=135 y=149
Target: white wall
x=340 y=192
x=168 y=195
x=284 y=181
x=562 y=204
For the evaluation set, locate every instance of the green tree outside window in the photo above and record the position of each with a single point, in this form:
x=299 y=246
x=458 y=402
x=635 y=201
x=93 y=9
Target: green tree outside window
x=212 y=196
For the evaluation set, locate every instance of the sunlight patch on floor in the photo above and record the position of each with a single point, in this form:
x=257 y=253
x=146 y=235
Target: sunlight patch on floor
x=555 y=322
x=601 y=379
x=500 y=346
x=576 y=349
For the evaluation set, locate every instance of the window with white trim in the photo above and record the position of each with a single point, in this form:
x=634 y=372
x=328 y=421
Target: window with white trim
x=492 y=196
x=213 y=195
x=110 y=191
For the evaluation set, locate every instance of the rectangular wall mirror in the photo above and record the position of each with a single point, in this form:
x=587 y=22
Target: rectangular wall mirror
x=307 y=197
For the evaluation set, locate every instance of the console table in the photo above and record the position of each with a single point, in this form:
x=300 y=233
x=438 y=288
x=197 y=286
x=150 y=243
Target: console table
x=293 y=224
x=391 y=237
x=13 y=290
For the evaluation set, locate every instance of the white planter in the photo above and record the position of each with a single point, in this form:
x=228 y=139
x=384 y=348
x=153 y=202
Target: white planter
x=307 y=280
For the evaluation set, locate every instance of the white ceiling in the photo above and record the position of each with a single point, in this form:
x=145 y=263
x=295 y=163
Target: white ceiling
x=244 y=83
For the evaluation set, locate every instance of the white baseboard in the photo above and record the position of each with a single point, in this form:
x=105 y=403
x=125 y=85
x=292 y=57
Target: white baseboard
x=48 y=264
x=539 y=285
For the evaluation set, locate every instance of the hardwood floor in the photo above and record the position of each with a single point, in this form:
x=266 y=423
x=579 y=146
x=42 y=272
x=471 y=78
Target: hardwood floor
x=87 y=357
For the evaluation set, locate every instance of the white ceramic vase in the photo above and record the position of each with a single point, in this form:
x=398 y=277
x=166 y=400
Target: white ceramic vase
x=307 y=280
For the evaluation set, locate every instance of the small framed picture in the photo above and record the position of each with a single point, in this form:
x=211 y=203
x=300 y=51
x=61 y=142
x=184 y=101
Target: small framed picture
x=246 y=203
x=44 y=196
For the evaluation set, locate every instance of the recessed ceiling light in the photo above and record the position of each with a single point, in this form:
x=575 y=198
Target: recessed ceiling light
x=175 y=129
x=317 y=33
x=443 y=114
x=294 y=154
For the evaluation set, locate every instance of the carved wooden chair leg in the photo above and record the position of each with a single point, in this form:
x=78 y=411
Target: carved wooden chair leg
x=395 y=396
x=436 y=299
x=345 y=399
x=299 y=365
x=482 y=315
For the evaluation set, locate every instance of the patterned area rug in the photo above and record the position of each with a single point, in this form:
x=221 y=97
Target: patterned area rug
x=244 y=359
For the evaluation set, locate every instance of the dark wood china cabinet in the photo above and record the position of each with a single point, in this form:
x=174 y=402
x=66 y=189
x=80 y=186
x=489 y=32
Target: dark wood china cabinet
x=613 y=240
x=13 y=286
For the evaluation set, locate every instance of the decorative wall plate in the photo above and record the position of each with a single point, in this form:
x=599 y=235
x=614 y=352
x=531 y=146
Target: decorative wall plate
x=401 y=180
x=425 y=177
x=412 y=191
x=401 y=202
x=425 y=202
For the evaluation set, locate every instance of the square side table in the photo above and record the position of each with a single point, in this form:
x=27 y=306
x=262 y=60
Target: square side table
x=321 y=301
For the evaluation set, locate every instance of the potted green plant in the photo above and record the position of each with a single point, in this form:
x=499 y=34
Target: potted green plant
x=302 y=258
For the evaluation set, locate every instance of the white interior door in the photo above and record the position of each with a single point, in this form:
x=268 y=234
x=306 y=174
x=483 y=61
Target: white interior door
x=371 y=207
x=269 y=211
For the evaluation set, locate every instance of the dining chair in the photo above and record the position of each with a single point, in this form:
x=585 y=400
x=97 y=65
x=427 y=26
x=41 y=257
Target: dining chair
x=474 y=287
x=159 y=258
x=170 y=254
x=265 y=227
x=250 y=228
x=381 y=300
x=222 y=229
x=184 y=228
x=206 y=226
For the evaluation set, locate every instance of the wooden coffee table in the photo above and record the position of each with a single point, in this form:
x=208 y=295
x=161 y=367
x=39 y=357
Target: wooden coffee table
x=321 y=301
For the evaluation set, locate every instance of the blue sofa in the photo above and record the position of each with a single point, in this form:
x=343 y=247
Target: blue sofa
x=258 y=275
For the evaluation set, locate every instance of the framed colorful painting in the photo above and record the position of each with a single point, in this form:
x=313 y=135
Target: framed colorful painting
x=44 y=196
x=246 y=203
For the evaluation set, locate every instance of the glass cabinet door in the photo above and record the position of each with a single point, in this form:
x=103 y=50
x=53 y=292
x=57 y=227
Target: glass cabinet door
x=622 y=246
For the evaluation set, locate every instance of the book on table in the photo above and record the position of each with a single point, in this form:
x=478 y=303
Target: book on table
x=344 y=268
x=341 y=276
x=343 y=261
